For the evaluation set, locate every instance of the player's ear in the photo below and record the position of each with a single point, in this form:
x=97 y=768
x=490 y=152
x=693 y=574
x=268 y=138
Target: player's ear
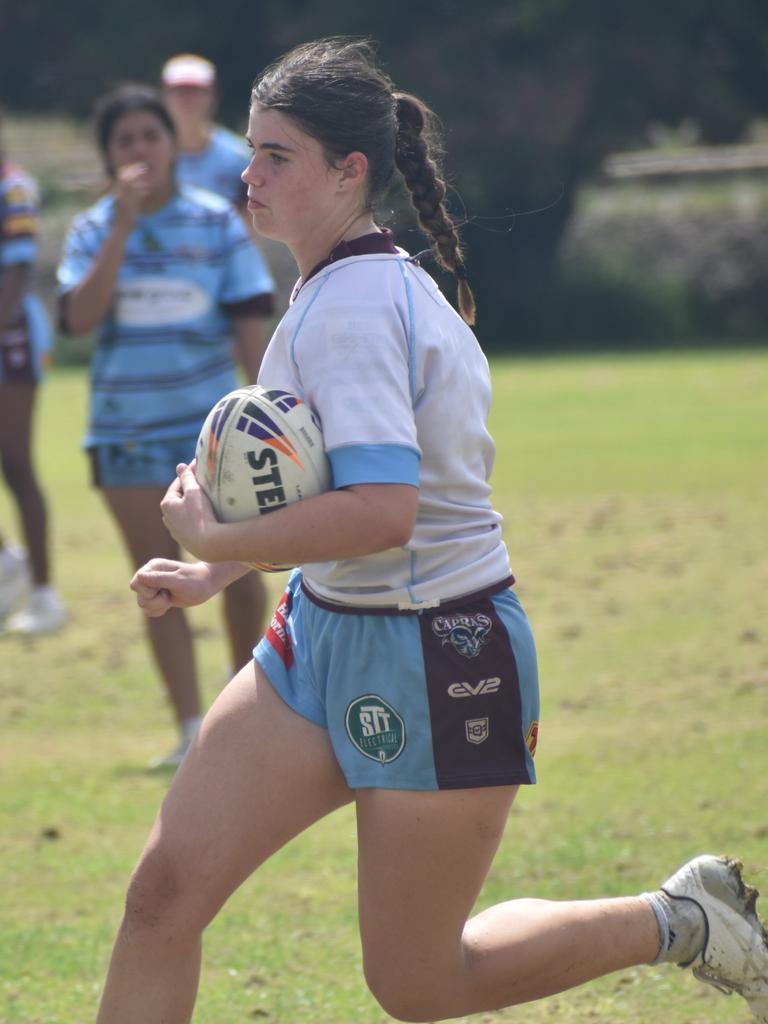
x=353 y=168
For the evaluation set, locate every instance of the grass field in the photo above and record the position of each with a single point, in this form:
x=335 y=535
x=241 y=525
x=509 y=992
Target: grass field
x=635 y=492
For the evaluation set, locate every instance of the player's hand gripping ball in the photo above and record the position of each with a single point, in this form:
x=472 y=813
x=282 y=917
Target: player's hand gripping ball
x=259 y=450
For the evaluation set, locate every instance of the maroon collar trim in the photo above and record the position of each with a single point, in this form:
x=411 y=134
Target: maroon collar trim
x=365 y=245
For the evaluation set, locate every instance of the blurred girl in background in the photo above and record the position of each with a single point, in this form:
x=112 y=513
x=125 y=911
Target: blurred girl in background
x=29 y=604
x=169 y=280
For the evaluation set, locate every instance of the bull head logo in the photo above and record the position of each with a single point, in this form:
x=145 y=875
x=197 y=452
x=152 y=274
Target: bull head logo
x=465 y=633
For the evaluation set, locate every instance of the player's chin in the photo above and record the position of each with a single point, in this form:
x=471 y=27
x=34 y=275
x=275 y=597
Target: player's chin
x=262 y=222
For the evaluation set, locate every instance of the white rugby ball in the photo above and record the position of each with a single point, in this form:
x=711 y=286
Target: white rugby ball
x=260 y=449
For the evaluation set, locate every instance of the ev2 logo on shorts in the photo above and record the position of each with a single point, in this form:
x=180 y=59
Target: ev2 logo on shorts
x=375 y=728
x=479 y=689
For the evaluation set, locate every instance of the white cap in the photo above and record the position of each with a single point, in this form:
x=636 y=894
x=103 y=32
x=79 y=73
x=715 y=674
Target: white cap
x=189 y=69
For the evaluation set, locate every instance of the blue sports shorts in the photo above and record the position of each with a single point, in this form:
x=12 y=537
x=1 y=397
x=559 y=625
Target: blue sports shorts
x=139 y=463
x=443 y=698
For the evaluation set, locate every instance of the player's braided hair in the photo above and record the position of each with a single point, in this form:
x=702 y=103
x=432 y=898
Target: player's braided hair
x=416 y=163
x=336 y=93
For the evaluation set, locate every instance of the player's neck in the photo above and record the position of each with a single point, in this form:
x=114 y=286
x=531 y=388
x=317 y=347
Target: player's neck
x=312 y=254
x=157 y=199
x=194 y=138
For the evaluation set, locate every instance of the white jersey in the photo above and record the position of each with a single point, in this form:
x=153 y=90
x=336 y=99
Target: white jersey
x=402 y=391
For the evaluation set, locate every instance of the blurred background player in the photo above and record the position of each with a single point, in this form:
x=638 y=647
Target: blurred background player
x=209 y=156
x=171 y=281
x=25 y=340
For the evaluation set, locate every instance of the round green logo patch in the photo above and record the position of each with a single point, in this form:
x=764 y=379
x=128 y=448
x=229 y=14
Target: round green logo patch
x=375 y=728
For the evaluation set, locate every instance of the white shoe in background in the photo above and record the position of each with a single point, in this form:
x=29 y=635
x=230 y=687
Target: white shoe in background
x=170 y=762
x=14 y=579
x=43 y=612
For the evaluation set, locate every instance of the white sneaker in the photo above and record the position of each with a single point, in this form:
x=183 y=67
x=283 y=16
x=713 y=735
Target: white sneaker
x=735 y=953
x=14 y=578
x=170 y=762
x=190 y=727
x=43 y=613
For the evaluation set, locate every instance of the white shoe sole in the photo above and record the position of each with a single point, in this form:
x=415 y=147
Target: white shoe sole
x=735 y=953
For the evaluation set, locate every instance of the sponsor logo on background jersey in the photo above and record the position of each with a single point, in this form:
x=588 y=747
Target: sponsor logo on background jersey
x=375 y=728
x=160 y=301
x=467 y=634
x=478 y=689
x=477 y=729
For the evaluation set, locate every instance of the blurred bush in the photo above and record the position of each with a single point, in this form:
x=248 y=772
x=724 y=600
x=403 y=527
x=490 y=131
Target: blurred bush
x=669 y=262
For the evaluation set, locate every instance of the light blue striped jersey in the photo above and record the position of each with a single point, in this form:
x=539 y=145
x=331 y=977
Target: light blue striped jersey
x=164 y=352
x=218 y=167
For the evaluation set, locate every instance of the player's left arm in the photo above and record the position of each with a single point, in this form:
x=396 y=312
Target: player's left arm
x=358 y=520
x=164 y=583
x=250 y=334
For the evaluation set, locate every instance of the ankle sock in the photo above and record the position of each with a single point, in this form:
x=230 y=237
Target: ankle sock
x=190 y=728
x=682 y=927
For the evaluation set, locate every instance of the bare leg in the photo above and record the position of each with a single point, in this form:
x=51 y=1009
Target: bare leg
x=17 y=403
x=423 y=860
x=245 y=609
x=137 y=513
x=257 y=775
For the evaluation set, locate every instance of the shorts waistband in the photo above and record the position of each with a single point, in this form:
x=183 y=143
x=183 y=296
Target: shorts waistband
x=416 y=609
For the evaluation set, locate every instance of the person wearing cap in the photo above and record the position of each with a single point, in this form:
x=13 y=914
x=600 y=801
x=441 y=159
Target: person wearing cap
x=210 y=156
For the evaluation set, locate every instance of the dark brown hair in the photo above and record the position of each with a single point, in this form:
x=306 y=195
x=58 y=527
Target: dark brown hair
x=127 y=99
x=336 y=93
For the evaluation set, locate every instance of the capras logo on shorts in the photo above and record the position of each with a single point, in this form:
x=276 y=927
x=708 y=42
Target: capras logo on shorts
x=465 y=633
x=478 y=689
x=375 y=728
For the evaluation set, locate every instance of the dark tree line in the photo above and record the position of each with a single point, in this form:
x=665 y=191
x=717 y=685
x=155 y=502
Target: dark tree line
x=533 y=93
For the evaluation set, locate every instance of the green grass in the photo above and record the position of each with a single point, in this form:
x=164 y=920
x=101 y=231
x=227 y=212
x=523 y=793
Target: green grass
x=634 y=492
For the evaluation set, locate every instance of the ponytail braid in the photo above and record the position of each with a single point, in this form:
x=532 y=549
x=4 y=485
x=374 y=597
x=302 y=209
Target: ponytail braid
x=415 y=161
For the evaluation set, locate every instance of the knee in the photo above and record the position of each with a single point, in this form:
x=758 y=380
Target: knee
x=156 y=894
x=403 y=997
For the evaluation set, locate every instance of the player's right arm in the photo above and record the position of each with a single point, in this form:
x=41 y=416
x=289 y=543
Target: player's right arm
x=89 y=301
x=163 y=583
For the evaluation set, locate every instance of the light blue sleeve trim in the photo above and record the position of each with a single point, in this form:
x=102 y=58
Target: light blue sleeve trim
x=374 y=464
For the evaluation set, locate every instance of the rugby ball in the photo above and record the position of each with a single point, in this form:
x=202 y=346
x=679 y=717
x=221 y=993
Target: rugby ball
x=259 y=450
